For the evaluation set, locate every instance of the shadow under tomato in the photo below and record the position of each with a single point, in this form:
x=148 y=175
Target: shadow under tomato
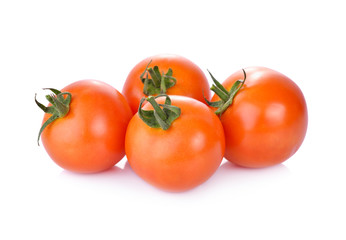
x=119 y=176
x=277 y=169
x=230 y=175
x=227 y=176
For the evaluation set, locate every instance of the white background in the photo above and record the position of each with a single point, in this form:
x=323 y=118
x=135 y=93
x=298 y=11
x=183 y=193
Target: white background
x=53 y=43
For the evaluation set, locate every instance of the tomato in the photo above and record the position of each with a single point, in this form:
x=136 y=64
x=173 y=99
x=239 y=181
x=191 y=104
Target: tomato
x=187 y=79
x=181 y=157
x=267 y=121
x=90 y=138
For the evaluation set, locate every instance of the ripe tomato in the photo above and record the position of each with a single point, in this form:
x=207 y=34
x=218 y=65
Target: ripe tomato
x=267 y=121
x=187 y=79
x=181 y=157
x=90 y=138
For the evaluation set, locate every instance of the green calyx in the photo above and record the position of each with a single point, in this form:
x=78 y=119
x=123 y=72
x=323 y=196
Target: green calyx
x=156 y=82
x=59 y=108
x=225 y=96
x=162 y=116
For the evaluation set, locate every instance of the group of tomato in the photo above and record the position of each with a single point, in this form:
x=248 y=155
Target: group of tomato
x=173 y=134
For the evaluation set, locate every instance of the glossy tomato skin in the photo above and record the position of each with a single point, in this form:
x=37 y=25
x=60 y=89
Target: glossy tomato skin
x=181 y=157
x=267 y=122
x=191 y=81
x=90 y=138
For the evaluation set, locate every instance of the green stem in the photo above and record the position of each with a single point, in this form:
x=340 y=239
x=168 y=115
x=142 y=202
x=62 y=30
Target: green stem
x=156 y=79
x=224 y=107
x=225 y=96
x=163 y=83
x=159 y=81
x=59 y=108
x=157 y=108
x=217 y=83
x=146 y=84
x=159 y=117
x=44 y=125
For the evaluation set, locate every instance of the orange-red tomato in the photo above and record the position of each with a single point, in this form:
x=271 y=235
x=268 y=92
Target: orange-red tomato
x=90 y=138
x=190 y=79
x=181 y=157
x=267 y=122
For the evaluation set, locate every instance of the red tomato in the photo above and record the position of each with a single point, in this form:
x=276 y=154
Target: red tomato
x=267 y=122
x=190 y=79
x=181 y=157
x=90 y=138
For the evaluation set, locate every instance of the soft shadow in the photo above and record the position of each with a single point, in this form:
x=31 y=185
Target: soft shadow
x=236 y=169
x=227 y=176
x=233 y=175
x=119 y=176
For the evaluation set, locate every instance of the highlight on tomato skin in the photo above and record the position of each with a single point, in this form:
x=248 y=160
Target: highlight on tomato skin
x=179 y=75
x=181 y=157
x=90 y=137
x=267 y=120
